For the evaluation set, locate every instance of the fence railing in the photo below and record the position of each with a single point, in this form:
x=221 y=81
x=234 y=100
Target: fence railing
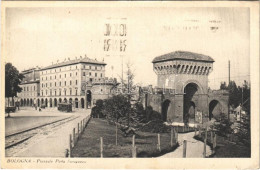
x=76 y=133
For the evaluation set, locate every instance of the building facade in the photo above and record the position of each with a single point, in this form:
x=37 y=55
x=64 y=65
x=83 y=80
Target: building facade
x=80 y=82
x=30 y=87
x=182 y=93
x=66 y=82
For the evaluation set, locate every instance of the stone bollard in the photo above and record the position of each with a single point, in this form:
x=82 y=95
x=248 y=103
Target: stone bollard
x=204 y=148
x=184 y=149
x=101 y=147
x=133 y=147
x=171 y=137
x=159 y=143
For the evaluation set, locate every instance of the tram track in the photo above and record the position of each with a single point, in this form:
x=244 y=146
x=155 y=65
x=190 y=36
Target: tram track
x=17 y=139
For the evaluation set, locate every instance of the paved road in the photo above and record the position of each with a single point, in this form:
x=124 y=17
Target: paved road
x=55 y=144
x=27 y=118
x=194 y=147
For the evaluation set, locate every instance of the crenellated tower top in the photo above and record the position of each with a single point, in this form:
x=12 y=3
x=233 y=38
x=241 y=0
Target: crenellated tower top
x=180 y=66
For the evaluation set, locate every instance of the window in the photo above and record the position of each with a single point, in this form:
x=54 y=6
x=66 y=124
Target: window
x=60 y=75
x=46 y=77
x=65 y=83
x=42 y=85
x=83 y=73
x=46 y=84
x=70 y=82
x=55 y=84
x=89 y=67
x=55 y=92
x=50 y=84
x=42 y=93
x=27 y=88
x=50 y=77
x=60 y=83
x=76 y=73
x=70 y=91
x=55 y=70
x=76 y=67
x=65 y=76
x=51 y=92
x=95 y=74
x=60 y=69
x=96 y=68
x=70 y=74
x=34 y=88
x=90 y=79
x=60 y=92
x=76 y=92
x=55 y=76
x=76 y=82
x=101 y=75
x=46 y=92
x=89 y=73
x=65 y=92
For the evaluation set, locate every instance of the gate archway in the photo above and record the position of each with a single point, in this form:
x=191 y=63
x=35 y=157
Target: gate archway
x=76 y=103
x=50 y=102
x=46 y=102
x=214 y=109
x=190 y=96
x=165 y=108
x=82 y=103
x=89 y=98
x=38 y=102
x=55 y=102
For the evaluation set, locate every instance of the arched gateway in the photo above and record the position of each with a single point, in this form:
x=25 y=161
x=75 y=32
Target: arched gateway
x=183 y=79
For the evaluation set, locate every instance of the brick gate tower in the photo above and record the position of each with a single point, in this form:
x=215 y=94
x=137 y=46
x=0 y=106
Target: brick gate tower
x=183 y=76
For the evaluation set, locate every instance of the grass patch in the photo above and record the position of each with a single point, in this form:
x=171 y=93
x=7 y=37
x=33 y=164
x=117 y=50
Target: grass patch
x=146 y=142
x=227 y=149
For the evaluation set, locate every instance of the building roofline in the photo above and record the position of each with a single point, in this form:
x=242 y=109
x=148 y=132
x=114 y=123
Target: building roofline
x=183 y=55
x=73 y=63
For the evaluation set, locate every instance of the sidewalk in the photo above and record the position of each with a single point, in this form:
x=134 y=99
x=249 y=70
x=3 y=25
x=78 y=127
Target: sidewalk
x=194 y=147
x=55 y=144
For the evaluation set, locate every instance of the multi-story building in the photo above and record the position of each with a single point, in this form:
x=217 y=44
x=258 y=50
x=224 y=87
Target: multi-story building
x=66 y=82
x=30 y=87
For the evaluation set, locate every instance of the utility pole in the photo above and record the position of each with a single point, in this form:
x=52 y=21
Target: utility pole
x=122 y=74
x=228 y=88
x=241 y=108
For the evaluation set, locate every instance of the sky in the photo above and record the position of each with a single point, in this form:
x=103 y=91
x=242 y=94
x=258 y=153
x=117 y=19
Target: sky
x=41 y=36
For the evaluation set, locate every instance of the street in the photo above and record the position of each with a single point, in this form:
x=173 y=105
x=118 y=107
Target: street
x=39 y=130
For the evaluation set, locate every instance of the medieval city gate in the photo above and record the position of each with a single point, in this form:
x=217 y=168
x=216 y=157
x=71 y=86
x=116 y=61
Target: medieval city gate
x=182 y=83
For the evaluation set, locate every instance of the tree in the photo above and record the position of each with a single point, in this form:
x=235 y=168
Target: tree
x=223 y=86
x=12 y=80
x=223 y=125
x=117 y=107
x=128 y=87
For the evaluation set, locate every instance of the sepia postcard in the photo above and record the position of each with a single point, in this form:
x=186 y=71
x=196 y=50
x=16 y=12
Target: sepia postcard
x=130 y=85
